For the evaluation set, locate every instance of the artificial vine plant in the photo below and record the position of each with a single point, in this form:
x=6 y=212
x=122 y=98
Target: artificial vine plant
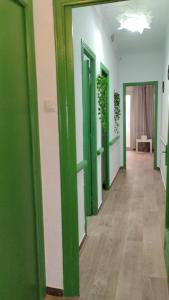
x=117 y=112
x=101 y=93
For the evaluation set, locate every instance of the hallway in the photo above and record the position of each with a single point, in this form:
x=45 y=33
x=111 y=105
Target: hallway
x=122 y=258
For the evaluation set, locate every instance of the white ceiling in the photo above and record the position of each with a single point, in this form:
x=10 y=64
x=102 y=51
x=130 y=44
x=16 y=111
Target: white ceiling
x=134 y=42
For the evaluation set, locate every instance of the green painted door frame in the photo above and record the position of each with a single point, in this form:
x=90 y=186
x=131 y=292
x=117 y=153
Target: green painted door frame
x=105 y=72
x=166 y=237
x=125 y=85
x=89 y=130
x=67 y=138
x=21 y=106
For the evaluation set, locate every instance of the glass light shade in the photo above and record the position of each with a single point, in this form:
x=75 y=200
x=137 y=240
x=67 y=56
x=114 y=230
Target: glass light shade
x=135 y=22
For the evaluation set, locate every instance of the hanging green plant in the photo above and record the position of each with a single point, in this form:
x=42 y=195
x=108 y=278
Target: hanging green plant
x=101 y=94
x=117 y=112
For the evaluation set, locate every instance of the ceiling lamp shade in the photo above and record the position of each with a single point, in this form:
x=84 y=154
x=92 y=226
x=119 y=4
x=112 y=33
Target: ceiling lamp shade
x=135 y=22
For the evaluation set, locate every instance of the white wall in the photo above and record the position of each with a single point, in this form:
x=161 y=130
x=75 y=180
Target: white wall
x=87 y=26
x=142 y=67
x=49 y=140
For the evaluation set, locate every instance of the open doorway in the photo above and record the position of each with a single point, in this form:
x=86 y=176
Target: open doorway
x=140 y=119
x=90 y=152
x=89 y=131
x=105 y=135
x=63 y=13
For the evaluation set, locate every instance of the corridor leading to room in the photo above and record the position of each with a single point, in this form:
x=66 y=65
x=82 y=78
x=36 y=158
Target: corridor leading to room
x=122 y=257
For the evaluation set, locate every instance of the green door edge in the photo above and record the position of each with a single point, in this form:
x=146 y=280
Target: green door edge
x=35 y=146
x=125 y=85
x=107 y=148
x=67 y=138
x=85 y=50
x=166 y=234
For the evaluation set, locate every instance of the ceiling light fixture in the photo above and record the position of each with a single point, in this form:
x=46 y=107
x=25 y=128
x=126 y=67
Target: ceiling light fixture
x=135 y=22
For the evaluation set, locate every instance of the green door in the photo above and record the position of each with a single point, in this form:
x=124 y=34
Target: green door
x=166 y=243
x=105 y=142
x=18 y=249
x=87 y=136
x=105 y=135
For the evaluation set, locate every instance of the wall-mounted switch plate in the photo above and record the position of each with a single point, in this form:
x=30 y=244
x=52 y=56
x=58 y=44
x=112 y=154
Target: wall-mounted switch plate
x=50 y=106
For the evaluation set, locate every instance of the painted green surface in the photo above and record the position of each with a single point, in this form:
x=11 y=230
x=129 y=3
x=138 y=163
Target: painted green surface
x=21 y=234
x=166 y=251
x=124 y=126
x=89 y=129
x=81 y=165
x=34 y=123
x=105 y=72
x=100 y=151
x=166 y=238
x=125 y=85
x=167 y=186
x=114 y=140
x=67 y=138
x=87 y=138
x=155 y=124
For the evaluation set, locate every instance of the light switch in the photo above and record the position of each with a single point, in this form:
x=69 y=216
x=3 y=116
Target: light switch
x=50 y=106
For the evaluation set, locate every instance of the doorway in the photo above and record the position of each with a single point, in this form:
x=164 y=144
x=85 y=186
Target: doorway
x=140 y=107
x=105 y=134
x=89 y=130
x=66 y=104
x=67 y=136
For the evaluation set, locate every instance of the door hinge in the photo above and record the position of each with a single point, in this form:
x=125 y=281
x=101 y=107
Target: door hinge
x=166 y=155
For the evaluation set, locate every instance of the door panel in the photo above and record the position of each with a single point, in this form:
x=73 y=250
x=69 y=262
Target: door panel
x=105 y=144
x=105 y=138
x=87 y=137
x=166 y=243
x=18 y=256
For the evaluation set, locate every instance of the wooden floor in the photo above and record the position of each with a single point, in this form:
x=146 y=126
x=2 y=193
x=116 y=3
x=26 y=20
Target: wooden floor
x=122 y=258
